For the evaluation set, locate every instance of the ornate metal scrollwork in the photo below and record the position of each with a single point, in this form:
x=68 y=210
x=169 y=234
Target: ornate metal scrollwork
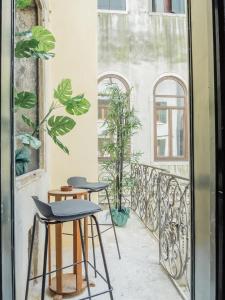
x=162 y=202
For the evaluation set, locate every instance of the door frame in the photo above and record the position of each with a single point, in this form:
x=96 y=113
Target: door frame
x=7 y=289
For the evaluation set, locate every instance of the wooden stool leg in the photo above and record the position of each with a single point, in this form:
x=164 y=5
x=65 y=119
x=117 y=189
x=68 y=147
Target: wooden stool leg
x=59 y=256
x=77 y=255
x=49 y=251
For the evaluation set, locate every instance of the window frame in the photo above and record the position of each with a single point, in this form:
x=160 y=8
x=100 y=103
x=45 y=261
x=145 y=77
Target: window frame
x=170 y=110
x=114 y=11
x=151 y=12
x=126 y=84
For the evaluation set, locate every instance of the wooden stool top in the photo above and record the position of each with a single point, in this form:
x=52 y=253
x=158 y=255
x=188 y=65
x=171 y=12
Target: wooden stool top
x=74 y=192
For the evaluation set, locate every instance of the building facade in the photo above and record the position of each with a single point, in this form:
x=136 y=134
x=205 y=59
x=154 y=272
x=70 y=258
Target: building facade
x=144 y=45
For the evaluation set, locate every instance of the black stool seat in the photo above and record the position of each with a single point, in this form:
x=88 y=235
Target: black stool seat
x=67 y=210
x=81 y=183
x=60 y=212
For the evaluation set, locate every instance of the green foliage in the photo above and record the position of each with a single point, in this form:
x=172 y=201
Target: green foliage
x=59 y=143
x=46 y=40
x=25 y=100
x=77 y=106
x=121 y=125
x=26 y=48
x=55 y=126
x=29 y=140
x=22 y=158
x=22 y=4
x=28 y=122
x=60 y=125
x=36 y=43
x=63 y=93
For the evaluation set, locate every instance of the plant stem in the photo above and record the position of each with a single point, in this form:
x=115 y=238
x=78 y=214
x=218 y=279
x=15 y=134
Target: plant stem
x=37 y=129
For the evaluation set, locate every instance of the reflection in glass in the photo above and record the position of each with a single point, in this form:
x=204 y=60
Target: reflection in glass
x=178 y=132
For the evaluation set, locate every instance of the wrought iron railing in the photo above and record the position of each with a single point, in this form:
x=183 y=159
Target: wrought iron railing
x=162 y=201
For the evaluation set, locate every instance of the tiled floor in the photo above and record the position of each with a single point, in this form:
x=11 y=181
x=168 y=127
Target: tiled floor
x=138 y=276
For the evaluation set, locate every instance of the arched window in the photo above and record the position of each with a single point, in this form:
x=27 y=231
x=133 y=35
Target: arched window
x=103 y=100
x=170 y=120
x=103 y=103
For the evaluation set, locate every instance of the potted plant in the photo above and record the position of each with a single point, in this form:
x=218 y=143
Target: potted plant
x=121 y=124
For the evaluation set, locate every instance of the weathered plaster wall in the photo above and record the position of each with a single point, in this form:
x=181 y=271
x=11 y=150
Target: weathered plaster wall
x=142 y=47
x=74 y=25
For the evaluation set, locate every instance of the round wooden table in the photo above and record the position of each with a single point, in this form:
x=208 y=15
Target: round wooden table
x=70 y=283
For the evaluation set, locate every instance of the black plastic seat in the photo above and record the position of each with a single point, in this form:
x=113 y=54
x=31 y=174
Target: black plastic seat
x=61 y=212
x=95 y=187
x=81 y=183
x=67 y=210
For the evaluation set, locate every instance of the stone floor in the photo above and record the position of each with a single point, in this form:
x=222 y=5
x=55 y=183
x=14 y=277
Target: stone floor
x=138 y=275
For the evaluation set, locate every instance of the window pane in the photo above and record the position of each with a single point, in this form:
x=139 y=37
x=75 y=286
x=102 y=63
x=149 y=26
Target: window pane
x=178 y=6
x=26 y=79
x=103 y=4
x=163 y=101
x=170 y=87
x=178 y=133
x=118 y=4
x=162 y=133
x=158 y=5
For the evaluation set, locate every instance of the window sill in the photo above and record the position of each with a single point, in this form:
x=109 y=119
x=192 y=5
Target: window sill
x=28 y=178
x=166 y=14
x=118 y=12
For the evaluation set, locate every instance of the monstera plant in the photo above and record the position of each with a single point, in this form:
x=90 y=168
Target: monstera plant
x=54 y=125
x=38 y=43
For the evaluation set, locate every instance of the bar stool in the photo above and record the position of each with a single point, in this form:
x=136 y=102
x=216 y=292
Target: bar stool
x=58 y=213
x=95 y=187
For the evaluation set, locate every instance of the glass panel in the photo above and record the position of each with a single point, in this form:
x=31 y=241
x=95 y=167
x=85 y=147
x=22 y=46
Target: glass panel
x=163 y=101
x=103 y=4
x=158 y=5
x=170 y=87
x=178 y=6
x=162 y=129
x=178 y=133
x=118 y=4
x=26 y=79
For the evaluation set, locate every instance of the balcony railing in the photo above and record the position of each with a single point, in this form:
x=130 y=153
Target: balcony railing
x=162 y=201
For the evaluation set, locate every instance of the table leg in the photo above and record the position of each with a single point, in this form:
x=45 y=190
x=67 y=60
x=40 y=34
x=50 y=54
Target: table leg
x=49 y=250
x=77 y=255
x=59 y=256
x=86 y=231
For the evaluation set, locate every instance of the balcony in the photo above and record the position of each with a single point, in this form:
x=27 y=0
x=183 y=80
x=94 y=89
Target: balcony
x=155 y=244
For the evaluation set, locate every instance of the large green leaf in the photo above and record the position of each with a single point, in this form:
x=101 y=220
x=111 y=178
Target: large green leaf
x=44 y=37
x=60 y=144
x=63 y=92
x=43 y=55
x=28 y=139
x=22 y=4
x=25 y=100
x=26 y=48
x=60 y=125
x=28 y=121
x=77 y=106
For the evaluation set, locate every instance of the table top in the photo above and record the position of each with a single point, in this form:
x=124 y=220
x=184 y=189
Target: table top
x=74 y=192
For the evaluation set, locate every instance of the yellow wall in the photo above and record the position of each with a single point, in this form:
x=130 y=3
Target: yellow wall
x=74 y=25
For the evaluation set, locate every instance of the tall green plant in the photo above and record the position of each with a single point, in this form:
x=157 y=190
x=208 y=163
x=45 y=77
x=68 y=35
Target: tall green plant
x=121 y=124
